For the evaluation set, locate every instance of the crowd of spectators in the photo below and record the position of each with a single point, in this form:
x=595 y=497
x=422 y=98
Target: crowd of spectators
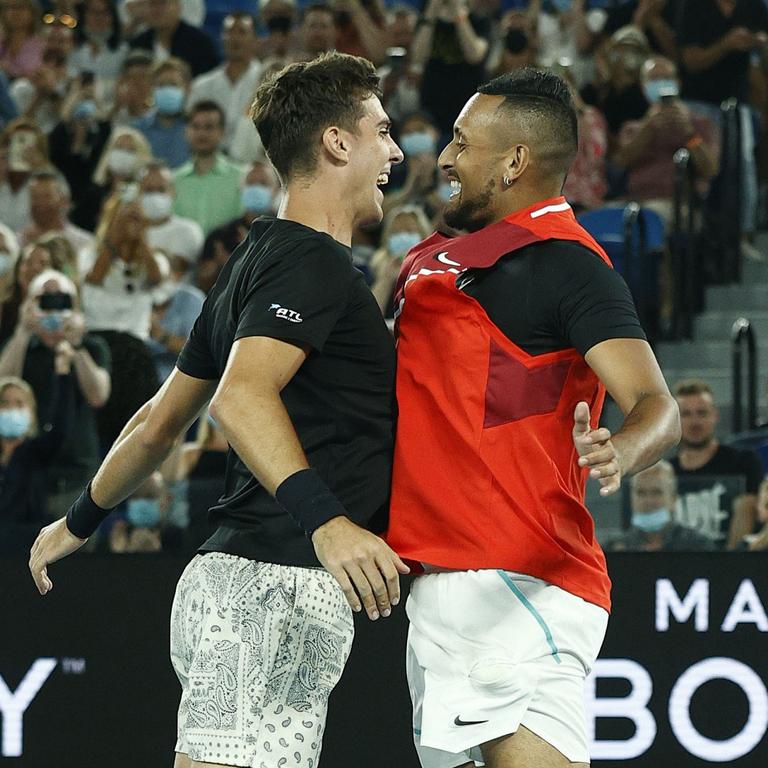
x=130 y=170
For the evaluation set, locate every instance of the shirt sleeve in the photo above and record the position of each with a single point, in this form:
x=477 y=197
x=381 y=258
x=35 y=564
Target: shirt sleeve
x=298 y=296
x=753 y=472
x=195 y=358
x=592 y=302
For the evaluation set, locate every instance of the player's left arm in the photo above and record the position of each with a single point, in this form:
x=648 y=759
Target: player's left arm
x=144 y=443
x=630 y=373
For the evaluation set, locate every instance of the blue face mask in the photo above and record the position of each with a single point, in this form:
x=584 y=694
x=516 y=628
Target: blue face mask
x=656 y=89
x=84 y=110
x=6 y=262
x=14 y=422
x=169 y=99
x=401 y=242
x=50 y=321
x=256 y=198
x=653 y=521
x=418 y=143
x=143 y=513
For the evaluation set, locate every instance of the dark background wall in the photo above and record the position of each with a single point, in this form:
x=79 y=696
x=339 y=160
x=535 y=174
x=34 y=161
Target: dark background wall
x=110 y=700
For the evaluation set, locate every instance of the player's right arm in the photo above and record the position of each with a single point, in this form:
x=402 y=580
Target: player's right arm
x=249 y=411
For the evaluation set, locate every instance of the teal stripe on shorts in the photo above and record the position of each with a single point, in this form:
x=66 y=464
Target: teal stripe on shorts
x=536 y=615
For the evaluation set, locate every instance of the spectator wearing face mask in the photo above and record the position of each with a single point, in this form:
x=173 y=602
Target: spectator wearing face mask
x=259 y=196
x=281 y=43
x=125 y=154
x=653 y=495
x=404 y=227
x=49 y=317
x=139 y=531
x=165 y=126
x=617 y=92
x=232 y=84
x=165 y=231
x=646 y=148
x=26 y=451
x=657 y=19
x=517 y=45
x=421 y=183
x=76 y=144
x=177 y=305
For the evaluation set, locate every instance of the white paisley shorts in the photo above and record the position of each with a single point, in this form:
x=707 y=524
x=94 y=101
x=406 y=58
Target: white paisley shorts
x=258 y=648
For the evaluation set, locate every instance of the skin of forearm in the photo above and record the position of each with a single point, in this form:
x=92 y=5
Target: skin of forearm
x=243 y=414
x=422 y=44
x=698 y=59
x=473 y=47
x=15 y=352
x=665 y=37
x=371 y=36
x=134 y=456
x=95 y=382
x=100 y=268
x=649 y=429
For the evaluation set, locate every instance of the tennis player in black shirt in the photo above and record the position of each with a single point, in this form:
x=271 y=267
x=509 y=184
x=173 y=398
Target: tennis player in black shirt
x=293 y=354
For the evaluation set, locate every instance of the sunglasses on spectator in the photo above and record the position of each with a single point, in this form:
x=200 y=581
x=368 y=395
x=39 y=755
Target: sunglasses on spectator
x=64 y=19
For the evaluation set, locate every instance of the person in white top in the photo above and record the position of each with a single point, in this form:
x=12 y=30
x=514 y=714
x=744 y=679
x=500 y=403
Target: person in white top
x=233 y=84
x=174 y=235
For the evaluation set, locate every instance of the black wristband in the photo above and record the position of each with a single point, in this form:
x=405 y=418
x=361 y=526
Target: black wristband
x=308 y=500
x=85 y=515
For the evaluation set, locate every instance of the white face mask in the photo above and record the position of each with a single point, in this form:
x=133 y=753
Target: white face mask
x=156 y=206
x=122 y=162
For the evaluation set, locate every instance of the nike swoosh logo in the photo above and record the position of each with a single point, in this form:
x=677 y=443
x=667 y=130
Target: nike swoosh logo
x=443 y=259
x=459 y=721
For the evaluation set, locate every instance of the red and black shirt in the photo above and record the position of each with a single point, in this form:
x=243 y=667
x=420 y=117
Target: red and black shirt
x=492 y=330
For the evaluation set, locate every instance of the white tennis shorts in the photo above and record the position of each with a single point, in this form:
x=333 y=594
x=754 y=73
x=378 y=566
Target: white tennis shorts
x=258 y=648
x=489 y=651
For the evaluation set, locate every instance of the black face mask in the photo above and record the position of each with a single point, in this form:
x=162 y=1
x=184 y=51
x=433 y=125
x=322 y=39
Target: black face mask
x=516 y=41
x=281 y=24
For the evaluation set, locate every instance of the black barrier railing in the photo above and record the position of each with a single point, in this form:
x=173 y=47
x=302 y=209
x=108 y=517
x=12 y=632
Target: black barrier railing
x=687 y=278
x=631 y=219
x=729 y=202
x=742 y=332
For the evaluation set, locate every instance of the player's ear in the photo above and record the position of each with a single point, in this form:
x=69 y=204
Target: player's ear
x=336 y=145
x=515 y=163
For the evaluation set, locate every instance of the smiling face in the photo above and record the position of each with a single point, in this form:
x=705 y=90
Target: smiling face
x=474 y=162
x=372 y=154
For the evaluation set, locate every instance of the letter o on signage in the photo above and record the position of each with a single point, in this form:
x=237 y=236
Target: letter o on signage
x=690 y=681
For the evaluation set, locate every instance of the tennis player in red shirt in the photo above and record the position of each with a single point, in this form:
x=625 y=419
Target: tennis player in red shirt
x=508 y=338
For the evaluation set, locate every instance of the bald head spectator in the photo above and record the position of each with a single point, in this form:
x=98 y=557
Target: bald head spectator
x=208 y=186
x=165 y=126
x=174 y=235
x=49 y=204
x=233 y=84
x=169 y=35
x=260 y=196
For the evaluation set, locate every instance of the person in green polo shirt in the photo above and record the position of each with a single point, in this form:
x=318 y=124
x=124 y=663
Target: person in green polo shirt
x=208 y=186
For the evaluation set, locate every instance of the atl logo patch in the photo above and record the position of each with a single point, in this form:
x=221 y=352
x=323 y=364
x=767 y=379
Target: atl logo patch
x=291 y=315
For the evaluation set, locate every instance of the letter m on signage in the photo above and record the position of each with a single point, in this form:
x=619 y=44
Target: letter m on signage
x=695 y=602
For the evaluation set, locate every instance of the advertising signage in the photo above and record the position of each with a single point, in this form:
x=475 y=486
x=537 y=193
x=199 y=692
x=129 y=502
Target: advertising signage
x=682 y=679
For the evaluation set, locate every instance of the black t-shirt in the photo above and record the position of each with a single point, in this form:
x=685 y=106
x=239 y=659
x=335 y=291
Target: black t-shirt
x=622 y=14
x=290 y=282
x=554 y=295
x=703 y=25
x=706 y=494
